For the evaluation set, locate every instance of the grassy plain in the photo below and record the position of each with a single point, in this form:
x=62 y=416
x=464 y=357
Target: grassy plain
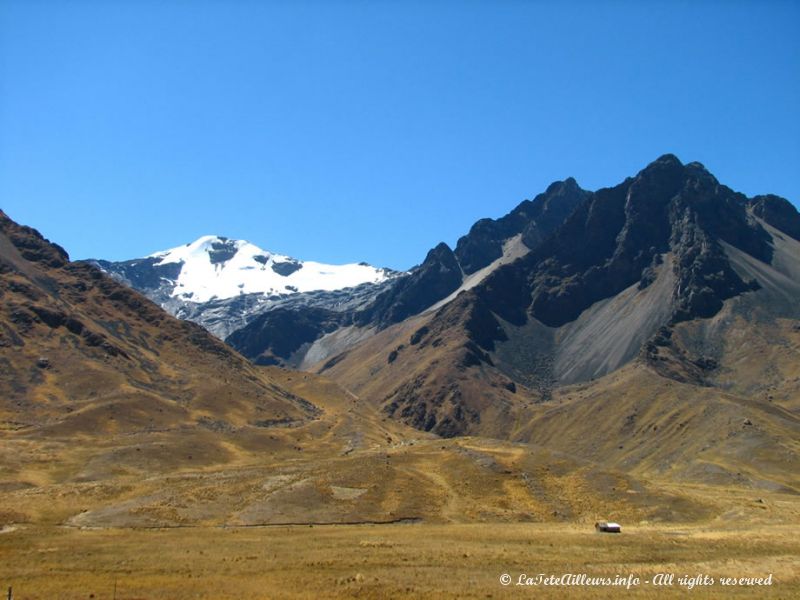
x=354 y=505
x=421 y=560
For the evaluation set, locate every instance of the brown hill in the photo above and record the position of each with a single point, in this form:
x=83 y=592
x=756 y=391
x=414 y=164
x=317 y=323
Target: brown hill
x=83 y=354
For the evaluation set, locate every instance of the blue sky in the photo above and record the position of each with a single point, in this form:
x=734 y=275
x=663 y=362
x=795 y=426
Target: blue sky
x=349 y=131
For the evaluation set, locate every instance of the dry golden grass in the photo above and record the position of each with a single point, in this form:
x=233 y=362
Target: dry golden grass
x=352 y=504
x=136 y=510
x=388 y=561
x=80 y=518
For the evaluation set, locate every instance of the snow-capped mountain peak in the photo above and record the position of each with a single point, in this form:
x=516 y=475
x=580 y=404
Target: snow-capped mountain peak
x=216 y=267
x=214 y=248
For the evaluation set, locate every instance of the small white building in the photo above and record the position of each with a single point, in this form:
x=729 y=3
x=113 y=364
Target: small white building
x=607 y=527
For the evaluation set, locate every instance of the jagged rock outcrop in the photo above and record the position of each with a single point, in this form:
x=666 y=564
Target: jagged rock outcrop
x=534 y=219
x=618 y=235
x=438 y=275
x=778 y=212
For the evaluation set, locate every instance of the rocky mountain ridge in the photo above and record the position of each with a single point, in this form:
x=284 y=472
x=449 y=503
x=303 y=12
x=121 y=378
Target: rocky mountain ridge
x=637 y=273
x=443 y=273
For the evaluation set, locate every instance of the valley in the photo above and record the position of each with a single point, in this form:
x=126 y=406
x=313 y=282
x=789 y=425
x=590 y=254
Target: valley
x=354 y=505
x=629 y=354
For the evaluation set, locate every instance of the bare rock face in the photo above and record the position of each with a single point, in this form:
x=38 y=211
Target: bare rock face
x=439 y=275
x=618 y=235
x=534 y=219
x=778 y=212
x=274 y=337
x=222 y=251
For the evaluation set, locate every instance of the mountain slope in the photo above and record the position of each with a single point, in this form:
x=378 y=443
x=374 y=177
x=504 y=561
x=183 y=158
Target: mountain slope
x=83 y=354
x=444 y=272
x=669 y=276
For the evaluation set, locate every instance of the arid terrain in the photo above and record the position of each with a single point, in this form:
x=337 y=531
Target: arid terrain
x=372 y=509
x=390 y=561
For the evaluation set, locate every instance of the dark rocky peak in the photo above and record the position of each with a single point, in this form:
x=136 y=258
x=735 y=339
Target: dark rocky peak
x=551 y=209
x=667 y=165
x=438 y=276
x=688 y=212
x=658 y=182
x=649 y=194
x=589 y=233
x=569 y=184
x=616 y=238
x=534 y=219
x=647 y=199
x=666 y=194
x=555 y=192
x=443 y=270
x=650 y=206
x=442 y=258
x=778 y=212
x=665 y=161
x=698 y=171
